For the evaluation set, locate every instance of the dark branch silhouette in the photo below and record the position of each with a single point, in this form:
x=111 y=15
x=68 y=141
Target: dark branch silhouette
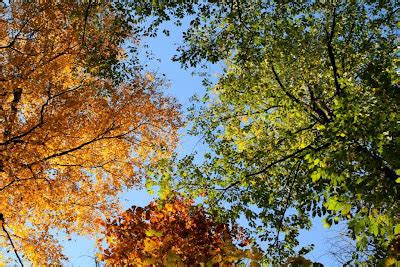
x=9 y=238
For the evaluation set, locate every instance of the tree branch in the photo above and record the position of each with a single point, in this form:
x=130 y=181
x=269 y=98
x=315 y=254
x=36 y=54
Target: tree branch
x=17 y=137
x=10 y=44
x=85 y=23
x=332 y=55
x=20 y=180
x=17 y=93
x=228 y=117
x=389 y=172
x=101 y=136
x=277 y=78
x=287 y=202
x=286 y=158
x=9 y=238
x=291 y=96
x=316 y=107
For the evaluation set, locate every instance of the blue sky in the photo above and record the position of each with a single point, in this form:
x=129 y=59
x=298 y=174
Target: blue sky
x=183 y=85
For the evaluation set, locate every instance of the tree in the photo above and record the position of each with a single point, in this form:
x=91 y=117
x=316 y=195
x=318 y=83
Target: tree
x=79 y=120
x=173 y=232
x=304 y=121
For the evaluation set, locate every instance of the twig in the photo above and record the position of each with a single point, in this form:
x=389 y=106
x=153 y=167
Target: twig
x=286 y=206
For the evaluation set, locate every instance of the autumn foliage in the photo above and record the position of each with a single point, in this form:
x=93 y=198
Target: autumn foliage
x=174 y=232
x=74 y=130
x=301 y=125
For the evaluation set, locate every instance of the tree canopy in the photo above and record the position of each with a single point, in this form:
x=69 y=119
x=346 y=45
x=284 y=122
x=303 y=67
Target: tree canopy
x=173 y=232
x=78 y=122
x=303 y=123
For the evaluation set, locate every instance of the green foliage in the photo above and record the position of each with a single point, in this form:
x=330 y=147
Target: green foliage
x=305 y=121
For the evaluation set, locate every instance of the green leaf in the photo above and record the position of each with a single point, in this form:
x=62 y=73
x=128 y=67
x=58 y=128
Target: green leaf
x=315 y=176
x=397 y=229
x=359 y=227
x=346 y=209
x=327 y=223
x=374 y=229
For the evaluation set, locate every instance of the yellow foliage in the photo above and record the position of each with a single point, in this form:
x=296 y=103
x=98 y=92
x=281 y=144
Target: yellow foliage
x=70 y=139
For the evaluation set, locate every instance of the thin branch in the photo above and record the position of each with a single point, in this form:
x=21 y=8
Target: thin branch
x=20 y=180
x=277 y=78
x=287 y=202
x=266 y=110
x=101 y=136
x=290 y=95
x=86 y=20
x=41 y=119
x=16 y=36
x=225 y=189
x=378 y=24
x=281 y=140
x=62 y=153
x=332 y=55
x=384 y=166
x=9 y=238
x=286 y=158
x=316 y=107
x=239 y=10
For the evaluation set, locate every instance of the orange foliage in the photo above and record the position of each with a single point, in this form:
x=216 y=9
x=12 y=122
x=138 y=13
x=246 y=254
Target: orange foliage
x=71 y=136
x=176 y=232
